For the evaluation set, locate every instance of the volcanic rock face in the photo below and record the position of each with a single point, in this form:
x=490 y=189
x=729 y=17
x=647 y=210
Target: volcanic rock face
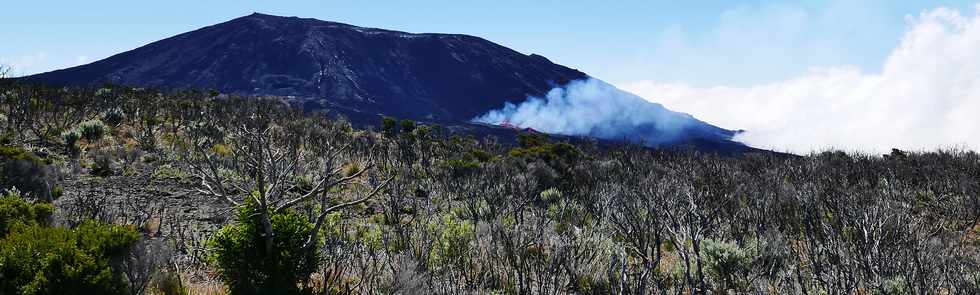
x=363 y=73
x=434 y=77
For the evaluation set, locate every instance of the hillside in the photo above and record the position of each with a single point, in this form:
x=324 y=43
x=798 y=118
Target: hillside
x=440 y=77
x=366 y=73
x=115 y=188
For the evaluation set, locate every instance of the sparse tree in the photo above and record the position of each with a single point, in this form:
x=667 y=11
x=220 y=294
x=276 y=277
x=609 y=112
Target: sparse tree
x=269 y=153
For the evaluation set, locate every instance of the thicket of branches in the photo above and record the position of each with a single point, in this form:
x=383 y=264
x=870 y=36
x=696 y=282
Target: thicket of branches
x=411 y=208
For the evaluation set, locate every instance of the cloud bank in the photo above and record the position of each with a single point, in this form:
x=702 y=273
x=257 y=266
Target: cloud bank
x=925 y=96
x=762 y=41
x=594 y=108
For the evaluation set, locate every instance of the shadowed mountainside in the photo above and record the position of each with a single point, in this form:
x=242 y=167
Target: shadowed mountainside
x=359 y=72
x=437 y=77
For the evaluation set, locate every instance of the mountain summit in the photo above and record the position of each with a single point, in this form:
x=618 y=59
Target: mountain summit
x=356 y=71
x=435 y=77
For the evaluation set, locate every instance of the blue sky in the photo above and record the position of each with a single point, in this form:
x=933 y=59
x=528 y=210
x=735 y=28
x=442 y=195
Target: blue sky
x=706 y=43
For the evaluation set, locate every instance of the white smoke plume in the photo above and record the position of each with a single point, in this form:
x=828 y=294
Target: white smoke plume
x=925 y=96
x=594 y=108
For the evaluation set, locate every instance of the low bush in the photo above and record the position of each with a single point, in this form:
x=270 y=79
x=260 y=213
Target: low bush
x=169 y=283
x=113 y=117
x=451 y=241
x=71 y=138
x=37 y=259
x=92 y=130
x=15 y=211
x=25 y=171
x=247 y=268
x=103 y=162
x=728 y=265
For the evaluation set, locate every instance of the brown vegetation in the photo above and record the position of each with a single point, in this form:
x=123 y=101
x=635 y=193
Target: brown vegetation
x=414 y=209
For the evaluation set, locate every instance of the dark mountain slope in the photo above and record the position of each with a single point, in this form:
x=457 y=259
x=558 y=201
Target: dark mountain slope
x=438 y=77
x=363 y=73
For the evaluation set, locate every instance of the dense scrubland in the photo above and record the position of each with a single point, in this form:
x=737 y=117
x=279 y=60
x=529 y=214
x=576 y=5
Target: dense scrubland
x=117 y=190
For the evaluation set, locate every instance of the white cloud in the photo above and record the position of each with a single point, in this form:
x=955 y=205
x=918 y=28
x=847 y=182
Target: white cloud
x=760 y=41
x=926 y=95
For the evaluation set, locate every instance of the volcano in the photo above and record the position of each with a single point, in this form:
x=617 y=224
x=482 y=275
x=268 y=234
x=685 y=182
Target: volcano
x=361 y=73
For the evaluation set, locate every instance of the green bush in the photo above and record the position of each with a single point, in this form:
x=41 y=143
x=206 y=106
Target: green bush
x=169 y=283
x=169 y=172
x=408 y=126
x=388 y=126
x=57 y=192
x=113 y=117
x=536 y=146
x=893 y=285
x=452 y=237
x=460 y=167
x=728 y=264
x=567 y=215
x=550 y=195
x=15 y=211
x=481 y=155
x=38 y=259
x=529 y=140
x=35 y=259
x=25 y=171
x=92 y=130
x=102 y=163
x=71 y=138
x=244 y=265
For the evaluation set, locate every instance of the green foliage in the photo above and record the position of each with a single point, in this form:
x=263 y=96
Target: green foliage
x=71 y=138
x=36 y=259
x=92 y=130
x=151 y=120
x=25 y=171
x=423 y=132
x=221 y=150
x=407 y=126
x=15 y=211
x=451 y=238
x=169 y=283
x=371 y=236
x=57 y=192
x=14 y=153
x=550 y=195
x=388 y=125
x=8 y=137
x=169 y=172
x=568 y=215
x=460 y=167
x=728 y=264
x=352 y=168
x=481 y=155
x=113 y=117
x=894 y=285
x=467 y=162
x=529 y=140
x=102 y=162
x=536 y=146
x=104 y=92
x=590 y=285
x=247 y=268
